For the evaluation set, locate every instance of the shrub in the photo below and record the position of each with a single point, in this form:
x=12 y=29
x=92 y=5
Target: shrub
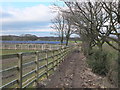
x=98 y=62
x=106 y=62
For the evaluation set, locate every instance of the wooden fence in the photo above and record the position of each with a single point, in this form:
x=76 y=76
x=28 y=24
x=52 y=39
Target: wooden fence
x=30 y=46
x=50 y=62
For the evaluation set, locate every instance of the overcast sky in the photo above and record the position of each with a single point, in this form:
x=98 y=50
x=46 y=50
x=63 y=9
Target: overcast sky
x=26 y=17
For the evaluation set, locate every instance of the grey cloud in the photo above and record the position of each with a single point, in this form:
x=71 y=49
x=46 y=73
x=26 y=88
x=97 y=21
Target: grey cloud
x=24 y=25
x=5 y=15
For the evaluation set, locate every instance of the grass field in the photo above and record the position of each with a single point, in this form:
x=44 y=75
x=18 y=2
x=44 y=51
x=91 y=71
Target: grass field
x=74 y=41
x=10 y=62
x=11 y=51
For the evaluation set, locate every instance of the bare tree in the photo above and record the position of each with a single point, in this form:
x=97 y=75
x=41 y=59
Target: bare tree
x=111 y=9
x=69 y=27
x=59 y=25
x=91 y=17
x=96 y=23
x=63 y=26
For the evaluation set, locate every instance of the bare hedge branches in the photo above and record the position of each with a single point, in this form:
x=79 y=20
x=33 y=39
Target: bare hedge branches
x=95 y=22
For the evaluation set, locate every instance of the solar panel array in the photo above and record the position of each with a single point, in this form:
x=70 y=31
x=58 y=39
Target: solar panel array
x=33 y=42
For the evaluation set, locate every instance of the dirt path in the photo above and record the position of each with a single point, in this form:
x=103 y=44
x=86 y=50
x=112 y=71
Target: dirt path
x=73 y=73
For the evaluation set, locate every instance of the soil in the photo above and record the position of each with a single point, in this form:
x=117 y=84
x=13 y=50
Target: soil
x=74 y=72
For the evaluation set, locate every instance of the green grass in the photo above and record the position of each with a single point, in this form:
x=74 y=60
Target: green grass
x=113 y=63
x=11 y=51
x=76 y=41
x=6 y=63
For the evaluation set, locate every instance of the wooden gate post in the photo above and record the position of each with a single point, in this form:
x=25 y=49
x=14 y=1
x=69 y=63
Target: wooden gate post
x=37 y=67
x=53 y=57
x=58 y=58
x=62 y=54
x=20 y=70
x=46 y=63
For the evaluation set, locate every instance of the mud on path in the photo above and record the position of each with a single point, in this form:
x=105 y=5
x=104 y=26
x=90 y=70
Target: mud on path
x=73 y=72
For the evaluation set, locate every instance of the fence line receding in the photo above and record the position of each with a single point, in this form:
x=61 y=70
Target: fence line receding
x=41 y=66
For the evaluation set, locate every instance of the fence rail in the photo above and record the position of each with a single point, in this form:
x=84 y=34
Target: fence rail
x=50 y=63
x=30 y=46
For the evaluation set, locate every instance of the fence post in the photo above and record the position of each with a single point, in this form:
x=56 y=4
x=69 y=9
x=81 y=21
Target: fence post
x=42 y=47
x=50 y=47
x=20 y=70
x=62 y=55
x=15 y=47
x=58 y=58
x=68 y=50
x=61 y=51
x=59 y=55
x=65 y=51
x=20 y=46
x=46 y=63
x=53 y=59
x=37 y=66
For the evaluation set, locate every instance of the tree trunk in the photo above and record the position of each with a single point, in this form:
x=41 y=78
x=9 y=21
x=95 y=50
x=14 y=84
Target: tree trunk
x=67 y=39
x=61 y=40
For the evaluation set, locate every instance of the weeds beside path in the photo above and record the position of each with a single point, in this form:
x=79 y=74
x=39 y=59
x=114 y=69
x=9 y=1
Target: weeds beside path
x=74 y=73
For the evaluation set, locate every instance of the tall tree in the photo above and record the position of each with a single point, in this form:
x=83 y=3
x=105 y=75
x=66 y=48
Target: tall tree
x=59 y=25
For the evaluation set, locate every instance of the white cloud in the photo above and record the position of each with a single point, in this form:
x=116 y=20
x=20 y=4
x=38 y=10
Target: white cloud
x=31 y=30
x=35 y=13
x=34 y=20
x=28 y=0
x=38 y=32
x=42 y=30
x=56 y=0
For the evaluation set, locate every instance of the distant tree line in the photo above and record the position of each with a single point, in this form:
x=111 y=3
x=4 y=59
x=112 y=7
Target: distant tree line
x=29 y=37
x=24 y=37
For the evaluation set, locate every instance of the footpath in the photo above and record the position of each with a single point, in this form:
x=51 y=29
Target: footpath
x=74 y=72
